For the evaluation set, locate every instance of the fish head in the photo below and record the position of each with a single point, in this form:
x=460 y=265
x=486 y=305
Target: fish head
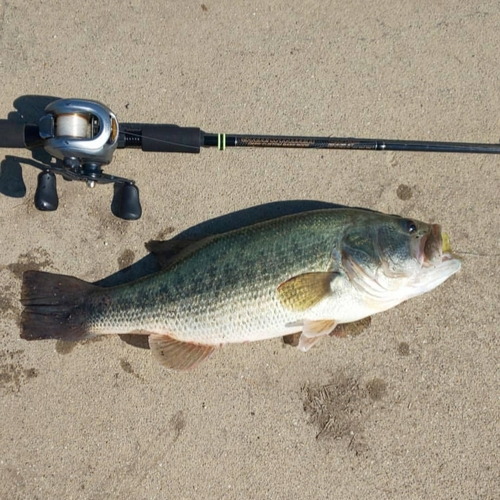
x=408 y=247
x=394 y=258
x=404 y=245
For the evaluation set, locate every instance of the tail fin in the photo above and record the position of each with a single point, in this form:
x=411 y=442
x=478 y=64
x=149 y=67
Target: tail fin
x=53 y=306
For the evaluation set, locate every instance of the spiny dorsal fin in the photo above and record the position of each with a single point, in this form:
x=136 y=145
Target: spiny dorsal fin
x=178 y=355
x=305 y=290
x=166 y=252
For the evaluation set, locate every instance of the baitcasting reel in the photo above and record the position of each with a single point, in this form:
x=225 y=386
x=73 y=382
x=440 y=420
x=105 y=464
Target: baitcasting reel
x=82 y=136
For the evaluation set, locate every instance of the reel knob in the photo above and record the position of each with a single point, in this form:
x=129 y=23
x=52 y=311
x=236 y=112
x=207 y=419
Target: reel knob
x=127 y=204
x=46 y=198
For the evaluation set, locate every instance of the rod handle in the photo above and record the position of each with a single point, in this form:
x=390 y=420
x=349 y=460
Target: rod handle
x=19 y=135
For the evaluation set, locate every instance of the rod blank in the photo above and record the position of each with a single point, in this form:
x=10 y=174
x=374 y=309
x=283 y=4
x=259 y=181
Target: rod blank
x=271 y=141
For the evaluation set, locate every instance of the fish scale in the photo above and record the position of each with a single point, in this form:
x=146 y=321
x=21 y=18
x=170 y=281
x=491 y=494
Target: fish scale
x=201 y=300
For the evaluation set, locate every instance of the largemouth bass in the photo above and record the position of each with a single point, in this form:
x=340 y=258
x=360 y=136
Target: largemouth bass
x=303 y=273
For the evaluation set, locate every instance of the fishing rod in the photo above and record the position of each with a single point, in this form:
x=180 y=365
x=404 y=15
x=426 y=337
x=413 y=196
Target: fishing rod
x=82 y=135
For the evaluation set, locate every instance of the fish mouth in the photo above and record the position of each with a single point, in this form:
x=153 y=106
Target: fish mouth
x=434 y=247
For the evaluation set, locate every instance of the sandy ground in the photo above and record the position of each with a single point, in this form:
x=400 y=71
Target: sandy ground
x=413 y=402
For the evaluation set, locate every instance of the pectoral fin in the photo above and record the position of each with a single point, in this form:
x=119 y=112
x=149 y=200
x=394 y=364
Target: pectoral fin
x=305 y=290
x=178 y=355
x=313 y=332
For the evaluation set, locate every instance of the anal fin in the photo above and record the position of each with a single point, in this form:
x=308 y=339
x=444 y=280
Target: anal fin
x=177 y=355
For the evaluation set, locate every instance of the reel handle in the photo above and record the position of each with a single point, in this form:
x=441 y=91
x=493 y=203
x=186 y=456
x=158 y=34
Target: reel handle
x=126 y=204
x=46 y=198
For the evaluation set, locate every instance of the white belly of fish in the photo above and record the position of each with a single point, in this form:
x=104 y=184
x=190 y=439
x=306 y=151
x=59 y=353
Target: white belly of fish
x=246 y=321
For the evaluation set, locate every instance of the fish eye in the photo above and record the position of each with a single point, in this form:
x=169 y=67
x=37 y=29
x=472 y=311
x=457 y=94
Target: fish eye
x=410 y=226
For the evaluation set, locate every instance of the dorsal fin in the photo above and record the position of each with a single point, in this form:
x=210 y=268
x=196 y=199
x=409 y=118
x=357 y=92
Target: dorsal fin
x=170 y=251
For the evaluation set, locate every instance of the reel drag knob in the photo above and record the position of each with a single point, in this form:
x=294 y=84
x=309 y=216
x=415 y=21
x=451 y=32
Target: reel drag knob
x=46 y=198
